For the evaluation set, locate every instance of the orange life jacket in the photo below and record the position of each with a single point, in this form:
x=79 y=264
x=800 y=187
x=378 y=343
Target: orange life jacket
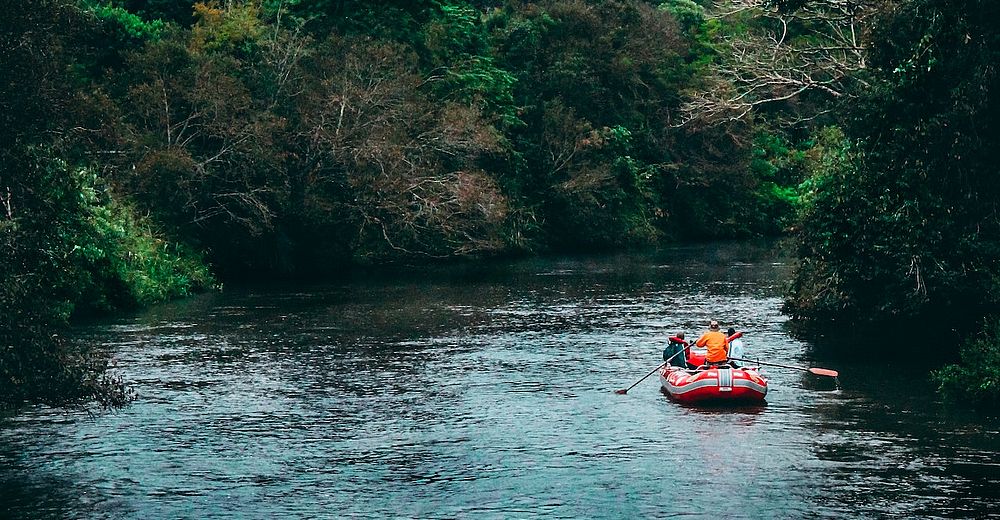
x=717 y=346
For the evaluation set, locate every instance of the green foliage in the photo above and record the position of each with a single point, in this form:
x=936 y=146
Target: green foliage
x=584 y=72
x=976 y=381
x=102 y=254
x=779 y=168
x=235 y=29
x=907 y=227
x=456 y=43
x=132 y=25
x=395 y=20
x=178 y=12
x=688 y=13
x=39 y=285
x=603 y=199
x=254 y=127
x=827 y=229
x=702 y=32
x=121 y=250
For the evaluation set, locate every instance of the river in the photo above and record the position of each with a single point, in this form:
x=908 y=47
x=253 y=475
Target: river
x=487 y=391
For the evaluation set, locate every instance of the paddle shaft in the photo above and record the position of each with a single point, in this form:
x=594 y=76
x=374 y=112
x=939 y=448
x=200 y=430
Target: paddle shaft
x=661 y=365
x=625 y=391
x=817 y=371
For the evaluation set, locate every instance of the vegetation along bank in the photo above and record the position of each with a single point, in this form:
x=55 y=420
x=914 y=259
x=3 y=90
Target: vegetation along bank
x=153 y=148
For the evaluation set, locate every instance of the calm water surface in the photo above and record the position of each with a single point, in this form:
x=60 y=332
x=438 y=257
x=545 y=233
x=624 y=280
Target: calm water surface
x=488 y=392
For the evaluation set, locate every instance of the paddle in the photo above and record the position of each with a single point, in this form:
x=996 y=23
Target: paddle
x=817 y=371
x=624 y=391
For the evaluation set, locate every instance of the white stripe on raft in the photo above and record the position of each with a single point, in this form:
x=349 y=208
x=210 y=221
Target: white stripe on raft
x=725 y=380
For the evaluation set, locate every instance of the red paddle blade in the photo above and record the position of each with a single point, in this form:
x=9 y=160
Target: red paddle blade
x=621 y=392
x=824 y=372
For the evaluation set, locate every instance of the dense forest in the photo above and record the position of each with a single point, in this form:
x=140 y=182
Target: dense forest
x=152 y=148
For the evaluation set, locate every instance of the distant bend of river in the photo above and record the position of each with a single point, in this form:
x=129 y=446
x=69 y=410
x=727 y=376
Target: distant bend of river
x=487 y=391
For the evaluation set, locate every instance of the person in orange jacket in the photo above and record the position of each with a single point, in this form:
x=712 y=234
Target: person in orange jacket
x=715 y=341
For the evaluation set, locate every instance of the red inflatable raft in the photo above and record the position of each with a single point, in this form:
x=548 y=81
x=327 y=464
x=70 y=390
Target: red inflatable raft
x=714 y=385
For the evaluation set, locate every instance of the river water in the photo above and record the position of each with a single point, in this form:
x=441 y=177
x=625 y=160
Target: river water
x=487 y=391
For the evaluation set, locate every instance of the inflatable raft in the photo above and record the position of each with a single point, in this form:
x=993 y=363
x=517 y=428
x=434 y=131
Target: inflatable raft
x=714 y=385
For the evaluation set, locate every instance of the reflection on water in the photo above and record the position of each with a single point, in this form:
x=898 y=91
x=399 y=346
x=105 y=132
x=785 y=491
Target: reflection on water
x=487 y=391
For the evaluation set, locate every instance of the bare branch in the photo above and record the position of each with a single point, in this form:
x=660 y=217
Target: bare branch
x=820 y=47
x=7 y=205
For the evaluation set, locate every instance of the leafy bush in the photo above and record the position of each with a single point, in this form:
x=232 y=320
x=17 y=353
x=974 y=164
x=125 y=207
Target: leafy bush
x=66 y=245
x=121 y=249
x=977 y=380
x=39 y=284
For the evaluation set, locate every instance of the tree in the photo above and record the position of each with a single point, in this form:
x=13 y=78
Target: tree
x=779 y=52
x=908 y=228
x=598 y=85
x=402 y=169
x=65 y=243
x=203 y=136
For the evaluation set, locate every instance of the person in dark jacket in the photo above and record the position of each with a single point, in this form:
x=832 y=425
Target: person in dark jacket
x=675 y=351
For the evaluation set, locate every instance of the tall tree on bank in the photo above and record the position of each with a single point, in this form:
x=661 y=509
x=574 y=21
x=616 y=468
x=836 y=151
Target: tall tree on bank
x=68 y=243
x=781 y=70
x=909 y=225
x=600 y=161
x=39 y=211
x=905 y=227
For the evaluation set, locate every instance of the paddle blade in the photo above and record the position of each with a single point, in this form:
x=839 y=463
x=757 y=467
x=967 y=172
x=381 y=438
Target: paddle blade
x=621 y=391
x=824 y=372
